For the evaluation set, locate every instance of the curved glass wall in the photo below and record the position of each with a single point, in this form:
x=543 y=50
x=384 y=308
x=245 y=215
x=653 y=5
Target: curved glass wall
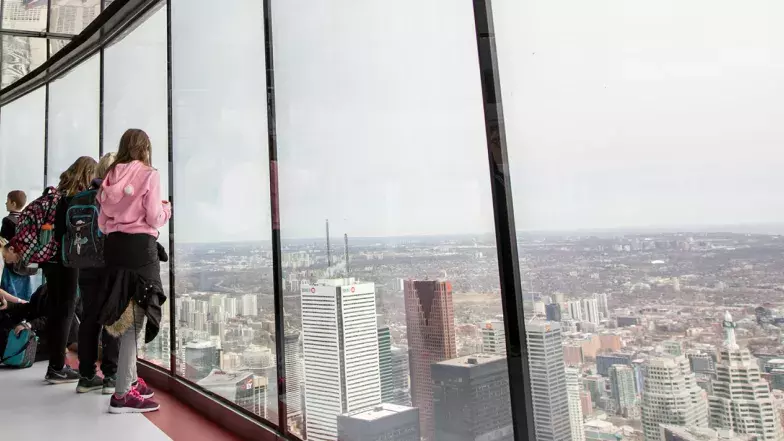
x=336 y=269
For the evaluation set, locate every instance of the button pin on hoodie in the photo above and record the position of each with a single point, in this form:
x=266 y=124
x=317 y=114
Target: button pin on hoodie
x=128 y=190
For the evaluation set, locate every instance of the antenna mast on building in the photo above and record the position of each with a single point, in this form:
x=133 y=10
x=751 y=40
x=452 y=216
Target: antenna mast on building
x=329 y=252
x=345 y=239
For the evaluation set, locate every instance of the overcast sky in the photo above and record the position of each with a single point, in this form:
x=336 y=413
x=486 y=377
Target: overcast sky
x=619 y=113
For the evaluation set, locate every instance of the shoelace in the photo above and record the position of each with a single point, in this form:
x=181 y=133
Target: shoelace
x=135 y=394
x=141 y=384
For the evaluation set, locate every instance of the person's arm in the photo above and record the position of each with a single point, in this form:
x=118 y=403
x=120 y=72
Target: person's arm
x=158 y=212
x=8 y=229
x=9 y=298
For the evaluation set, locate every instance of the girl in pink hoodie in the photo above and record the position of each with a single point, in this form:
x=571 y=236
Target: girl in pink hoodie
x=131 y=212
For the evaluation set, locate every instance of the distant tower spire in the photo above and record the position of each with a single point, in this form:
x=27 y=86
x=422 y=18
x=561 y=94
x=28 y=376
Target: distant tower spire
x=329 y=252
x=345 y=238
x=729 y=332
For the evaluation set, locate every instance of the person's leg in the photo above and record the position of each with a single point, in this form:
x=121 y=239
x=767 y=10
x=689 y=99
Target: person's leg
x=89 y=332
x=126 y=398
x=60 y=305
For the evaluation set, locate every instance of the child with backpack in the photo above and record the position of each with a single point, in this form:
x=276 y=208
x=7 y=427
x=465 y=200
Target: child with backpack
x=20 y=316
x=15 y=280
x=132 y=211
x=83 y=249
x=38 y=240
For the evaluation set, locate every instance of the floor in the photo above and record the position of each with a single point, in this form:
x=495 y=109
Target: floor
x=31 y=410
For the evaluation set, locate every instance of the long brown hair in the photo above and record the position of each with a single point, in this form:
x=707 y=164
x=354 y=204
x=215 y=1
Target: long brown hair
x=78 y=176
x=135 y=145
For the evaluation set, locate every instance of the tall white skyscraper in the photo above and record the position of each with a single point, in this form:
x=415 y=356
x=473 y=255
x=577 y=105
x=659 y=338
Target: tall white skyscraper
x=575 y=310
x=604 y=306
x=671 y=396
x=340 y=348
x=249 y=306
x=741 y=400
x=494 y=338
x=573 y=388
x=590 y=309
x=548 y=381
x=230 y=307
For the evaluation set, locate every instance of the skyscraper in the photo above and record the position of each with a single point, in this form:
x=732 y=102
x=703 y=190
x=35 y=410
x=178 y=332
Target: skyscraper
x=493 y=338
x=293 y=346
x=340 y=347
x=553 y=312
x=430 y=323
x=575 y=310
x=741 y=400
x=383 y=422
x=590 y=310
x=401 y=392
x=249 y=305
x=573 y=388
x=471 y=399
x=201 y=357
x=604 y=307
x=671 y=396
x=548 y=381
x=622 y=384
x=385 y=364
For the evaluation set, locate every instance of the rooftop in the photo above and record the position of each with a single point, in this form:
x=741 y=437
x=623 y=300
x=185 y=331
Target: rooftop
x=475 y=360
x=380 y=411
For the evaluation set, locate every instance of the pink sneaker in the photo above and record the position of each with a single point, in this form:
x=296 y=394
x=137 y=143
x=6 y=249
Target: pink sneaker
x=145 y=391
x=132 y=402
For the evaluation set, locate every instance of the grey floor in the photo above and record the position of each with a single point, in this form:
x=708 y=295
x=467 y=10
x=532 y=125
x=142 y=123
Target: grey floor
x=31 y=410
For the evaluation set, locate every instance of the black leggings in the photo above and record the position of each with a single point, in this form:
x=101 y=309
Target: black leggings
x=60 y=307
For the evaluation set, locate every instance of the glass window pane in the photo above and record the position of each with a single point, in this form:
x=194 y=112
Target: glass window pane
x=22 y=144
x=72 y=16
x=646 y=172
x=383 y=136
x=135 y=96
x=21 y=55
x=55 y=44
x=73 y=117
x=225 y=315
x=24 y=15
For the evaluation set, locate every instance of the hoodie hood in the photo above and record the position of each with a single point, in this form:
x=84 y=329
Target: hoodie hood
x=124 y=180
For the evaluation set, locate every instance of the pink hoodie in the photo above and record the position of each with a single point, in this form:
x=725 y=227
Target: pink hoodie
x=130 y=199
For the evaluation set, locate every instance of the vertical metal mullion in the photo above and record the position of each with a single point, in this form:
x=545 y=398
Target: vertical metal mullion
x=506 y=236
x=46 y=135
x=48 y=19
x=100 y=103
x=277 y=270
x=170 y=119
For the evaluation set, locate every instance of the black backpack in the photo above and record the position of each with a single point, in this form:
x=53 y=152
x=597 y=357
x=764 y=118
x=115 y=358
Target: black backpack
x=82 y=244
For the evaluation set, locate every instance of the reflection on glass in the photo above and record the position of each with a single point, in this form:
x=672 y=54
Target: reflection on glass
x=55 y=44
x=72 y=16
x=646 y=173
x=73 y=117
x=21 y=55
x=225 y=316
x=389 y=299
x=135 y=96
x=24 y=15
x=22 y=139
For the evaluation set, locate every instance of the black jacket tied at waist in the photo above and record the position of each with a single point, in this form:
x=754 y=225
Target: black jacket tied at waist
x=133 y=277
